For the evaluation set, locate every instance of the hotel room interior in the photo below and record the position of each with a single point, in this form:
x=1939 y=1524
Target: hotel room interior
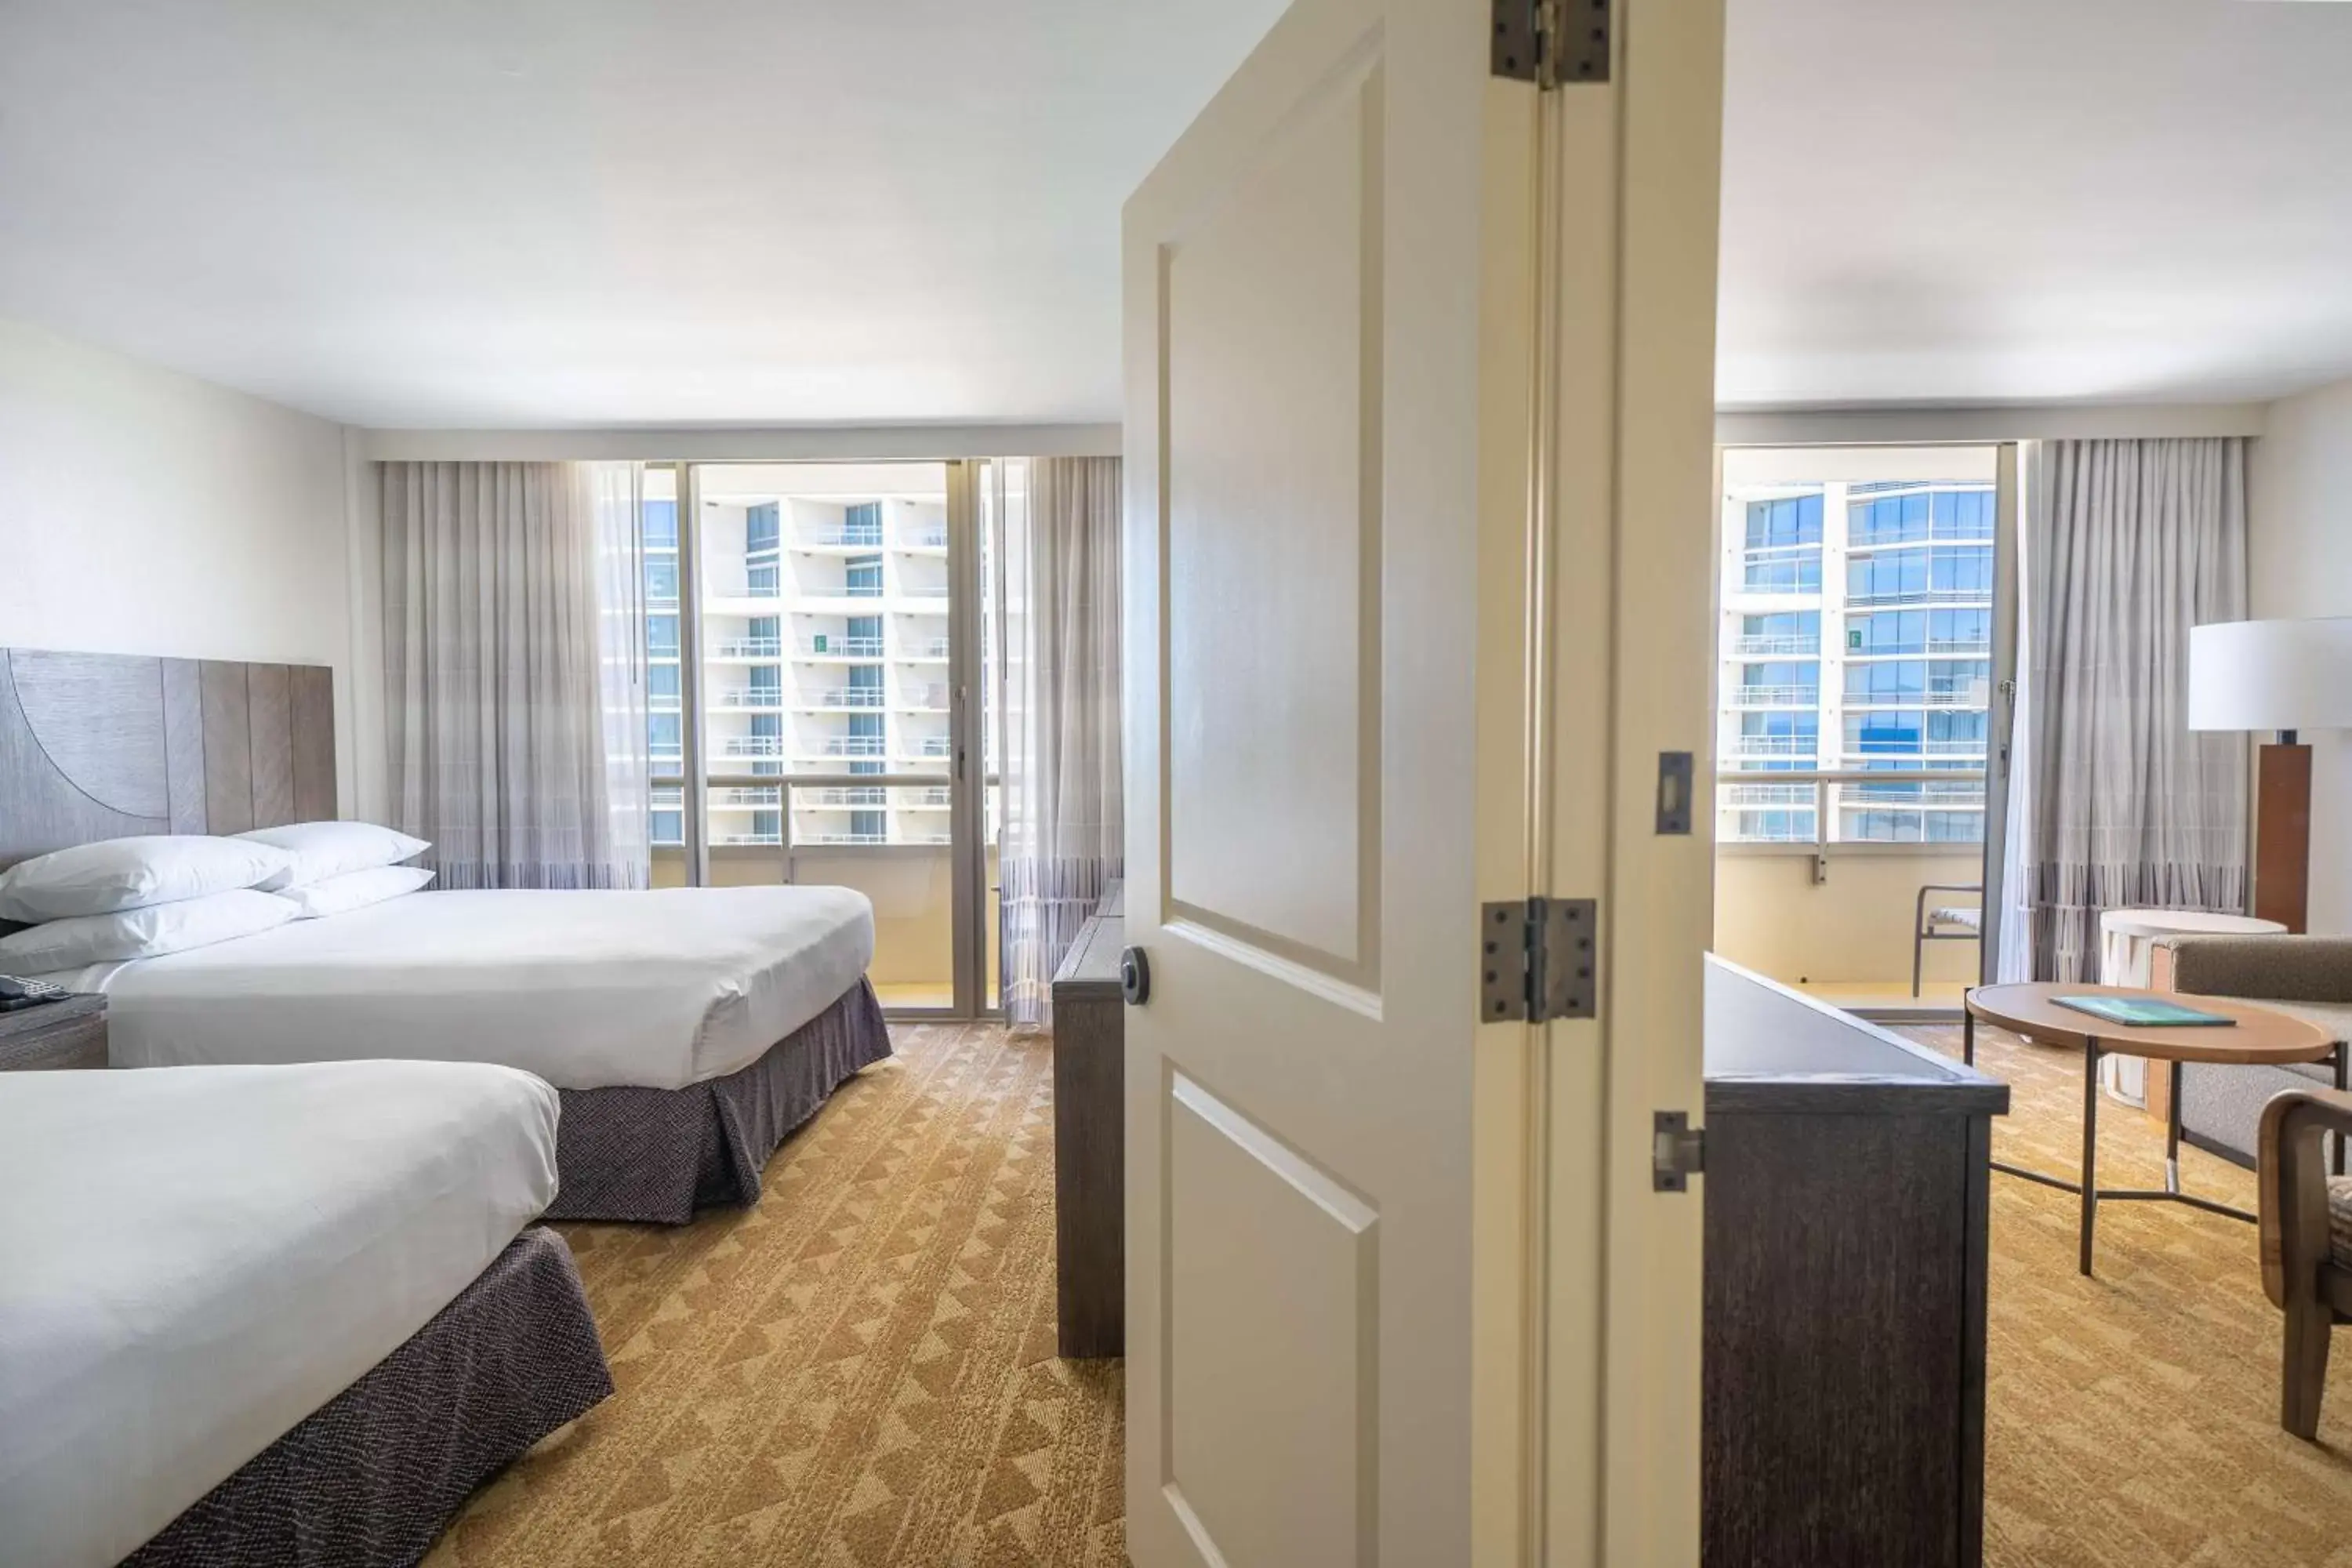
x=1223 y=783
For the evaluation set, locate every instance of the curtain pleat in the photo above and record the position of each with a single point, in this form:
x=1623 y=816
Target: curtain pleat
x=507 y=676
x=2130 y=544
x=1063 y=837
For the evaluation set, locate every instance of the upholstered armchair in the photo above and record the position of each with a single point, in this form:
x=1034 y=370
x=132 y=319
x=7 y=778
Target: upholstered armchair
x=2307 y=1231
x=2309 y=977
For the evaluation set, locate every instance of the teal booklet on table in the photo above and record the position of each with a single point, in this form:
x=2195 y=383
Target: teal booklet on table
x=2143 y=1012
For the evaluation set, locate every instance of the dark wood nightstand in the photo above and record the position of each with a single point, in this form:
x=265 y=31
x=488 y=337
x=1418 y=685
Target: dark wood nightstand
x=67 y=1033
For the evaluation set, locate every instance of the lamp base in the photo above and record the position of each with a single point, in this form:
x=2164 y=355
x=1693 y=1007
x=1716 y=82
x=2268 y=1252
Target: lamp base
x=2282 y=836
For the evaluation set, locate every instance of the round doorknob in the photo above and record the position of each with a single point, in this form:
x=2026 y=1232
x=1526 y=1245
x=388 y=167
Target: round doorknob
x=1135 y=977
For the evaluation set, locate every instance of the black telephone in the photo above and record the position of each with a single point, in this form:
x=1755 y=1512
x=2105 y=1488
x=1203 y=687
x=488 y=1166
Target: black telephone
x=15 y=995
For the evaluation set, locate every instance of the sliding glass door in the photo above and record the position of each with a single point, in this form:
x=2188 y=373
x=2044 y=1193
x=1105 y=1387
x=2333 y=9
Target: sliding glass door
x=812 y=631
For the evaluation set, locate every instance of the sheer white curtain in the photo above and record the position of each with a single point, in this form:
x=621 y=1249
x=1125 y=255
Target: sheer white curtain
x=2127 y=545
x=1057 y=618
x=514 y=684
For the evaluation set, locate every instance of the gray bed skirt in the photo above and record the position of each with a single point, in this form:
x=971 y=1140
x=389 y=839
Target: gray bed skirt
x=659 y=1154
x=370 y=1478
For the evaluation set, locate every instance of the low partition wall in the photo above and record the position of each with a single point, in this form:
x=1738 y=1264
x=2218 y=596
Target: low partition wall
x=1846 y=1191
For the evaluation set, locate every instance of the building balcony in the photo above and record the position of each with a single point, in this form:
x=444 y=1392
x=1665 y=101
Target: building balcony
x=841 y=647
x=932 y=699
x=840 y=838
x=1761 y=696
x=938 y=799
x=748 y=797
x=1774 y=746
x=929 y=746
x=840 y=539
x=748 y=699
x=743 y=840
x=1905 y=598
x=1777 y=648
x=1940 y=696
x=847 y=746
x=926 y=838
x=840 y=698
x=841 y=798
x=922 y=591
x=664 y=703
x=923 y=649
x=924 y=539
x=748 y=647
x=752 y=746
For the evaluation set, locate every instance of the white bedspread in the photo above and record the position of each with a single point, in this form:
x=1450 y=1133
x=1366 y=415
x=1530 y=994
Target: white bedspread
x=192 y=1261
x=586 y=989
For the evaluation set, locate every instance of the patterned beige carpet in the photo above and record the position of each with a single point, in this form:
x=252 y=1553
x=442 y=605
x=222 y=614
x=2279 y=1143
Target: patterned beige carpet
x=858 y=1371
x=2132 y=1419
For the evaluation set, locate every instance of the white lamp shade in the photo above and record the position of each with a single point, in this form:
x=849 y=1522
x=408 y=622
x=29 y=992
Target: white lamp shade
x=2271 y=675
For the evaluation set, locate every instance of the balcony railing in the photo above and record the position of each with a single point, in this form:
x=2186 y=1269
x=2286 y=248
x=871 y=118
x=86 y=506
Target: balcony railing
x=922 y=590
x=740 y=840
x=927 y=539
x=749 y=648
x=850 y=746
x=837 y=538
x=927 y=838
x=664 y=703
x=1774 y=746
x=760 y=698
x=1779 y=647
x=1907 y=596
x=842 y=648
x=799 y=838
x=752 y=746
x=844 y=697
x=918 y=799
x=1761 y=696
x=931 y=746
x=923 y=648
x=1834 y=806
x=930 y=699
x=771 y=798
x=835 y=799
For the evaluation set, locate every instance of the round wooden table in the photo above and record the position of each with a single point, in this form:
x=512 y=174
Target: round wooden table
x=2258 y=1036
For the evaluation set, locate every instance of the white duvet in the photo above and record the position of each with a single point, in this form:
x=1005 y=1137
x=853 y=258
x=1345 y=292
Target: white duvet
x=662 y=989
x=192 y=1261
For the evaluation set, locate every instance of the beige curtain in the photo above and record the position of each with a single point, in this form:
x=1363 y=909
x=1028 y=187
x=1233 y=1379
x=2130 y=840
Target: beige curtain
x=1058 y=619
x=514 y=671
x=2116 y=802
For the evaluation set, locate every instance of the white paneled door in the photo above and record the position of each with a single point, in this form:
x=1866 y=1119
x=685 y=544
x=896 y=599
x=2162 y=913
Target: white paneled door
x=1366 y=1315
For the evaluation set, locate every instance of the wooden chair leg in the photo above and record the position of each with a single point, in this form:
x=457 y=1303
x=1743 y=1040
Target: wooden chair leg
x=2303 y=1376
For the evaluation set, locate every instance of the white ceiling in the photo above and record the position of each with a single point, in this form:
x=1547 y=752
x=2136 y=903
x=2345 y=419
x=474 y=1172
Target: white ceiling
x=1967 y=201
x=505 y=213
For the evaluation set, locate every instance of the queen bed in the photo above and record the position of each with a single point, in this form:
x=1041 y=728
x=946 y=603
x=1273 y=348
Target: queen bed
x=689 y=1030
x=271 y=1314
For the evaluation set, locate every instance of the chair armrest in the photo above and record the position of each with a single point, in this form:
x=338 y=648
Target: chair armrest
x=2293 y=1180
x=2283 y=968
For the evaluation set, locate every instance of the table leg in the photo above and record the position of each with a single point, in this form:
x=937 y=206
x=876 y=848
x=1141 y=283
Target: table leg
x=1969 y=1040
x=2172 y=1131
x=2343 y=1067
x=2090 y=1147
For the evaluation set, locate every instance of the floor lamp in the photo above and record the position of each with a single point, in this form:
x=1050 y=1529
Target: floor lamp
x=2283 y=676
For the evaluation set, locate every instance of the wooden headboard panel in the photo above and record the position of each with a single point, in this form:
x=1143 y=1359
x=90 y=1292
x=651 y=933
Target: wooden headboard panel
x=101 y=746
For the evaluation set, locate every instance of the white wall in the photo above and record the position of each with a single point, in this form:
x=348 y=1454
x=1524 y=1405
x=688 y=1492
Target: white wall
x=146 y=511
x=2299 y=543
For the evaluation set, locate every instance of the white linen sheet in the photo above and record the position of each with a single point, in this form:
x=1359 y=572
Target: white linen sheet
x=194 y=1261
x=587 y=989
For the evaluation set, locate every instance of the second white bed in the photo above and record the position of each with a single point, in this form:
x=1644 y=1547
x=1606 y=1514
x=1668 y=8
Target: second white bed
x=588 y=990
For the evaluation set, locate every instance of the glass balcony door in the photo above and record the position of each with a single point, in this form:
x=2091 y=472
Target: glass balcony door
x=819 y=616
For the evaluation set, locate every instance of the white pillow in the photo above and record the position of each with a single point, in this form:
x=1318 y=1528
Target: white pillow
x=324 y=849
x=118 y=873
x=354 y=890
x=141 y=933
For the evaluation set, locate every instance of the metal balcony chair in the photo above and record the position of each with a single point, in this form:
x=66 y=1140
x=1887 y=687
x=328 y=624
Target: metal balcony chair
x=1946 y=923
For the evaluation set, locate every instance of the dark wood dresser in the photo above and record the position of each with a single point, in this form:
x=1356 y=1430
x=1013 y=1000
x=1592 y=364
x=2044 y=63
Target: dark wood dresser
x=1844 y=1382
x=67 y=1033
x=1090 y=1137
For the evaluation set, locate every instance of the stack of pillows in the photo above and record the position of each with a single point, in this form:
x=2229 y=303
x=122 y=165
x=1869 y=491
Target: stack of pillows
x=141 y=897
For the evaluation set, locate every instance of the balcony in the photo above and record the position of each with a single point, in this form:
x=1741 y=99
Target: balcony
x=751 y=797
x=925 y=799
x=840 y=838
x=842 y=697
x=1777 y=648
x=923 y=648
x=752 y=746
x=664 y=703
x=922 y=590
x=863 y=538
x=930 y=699
x=1762 y=696
x=747 y=647
x=1908 y=597
x=830 y=646
x=1774 y=746
x=924 y=539
x=839 y=799
x=926 y=838
x=849 y=746
x=930 y=746
x=749 y=699
x=741 y=840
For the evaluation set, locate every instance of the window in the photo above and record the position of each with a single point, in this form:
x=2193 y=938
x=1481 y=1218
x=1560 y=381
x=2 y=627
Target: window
x=657 y=525
x=761 y=529
x=662 y=688
x=1889 y=669
x=661 y=636
x=661 y=581
x=862 y=577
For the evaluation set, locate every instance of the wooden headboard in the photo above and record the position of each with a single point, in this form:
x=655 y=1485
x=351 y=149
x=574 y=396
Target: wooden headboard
x=101 y=746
